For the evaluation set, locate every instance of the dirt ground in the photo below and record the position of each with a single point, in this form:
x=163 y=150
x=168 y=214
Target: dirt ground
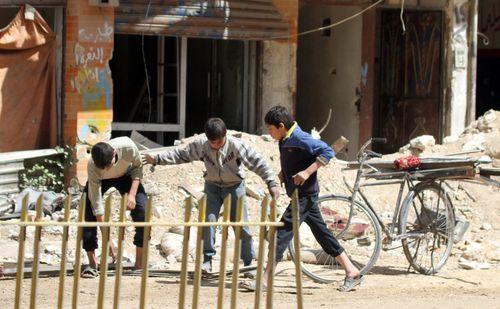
x=388 y=285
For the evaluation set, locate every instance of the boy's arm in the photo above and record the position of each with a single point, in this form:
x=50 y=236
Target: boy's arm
x=132 y=193
x=257 y=164
x=136 y=162
x=94 y=191
x=323 y=153
x=191 y=152
x=302 y=176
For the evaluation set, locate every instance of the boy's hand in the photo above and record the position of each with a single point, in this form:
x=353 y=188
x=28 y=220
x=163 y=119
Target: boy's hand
x=148 y=159
x=300 y=178
x=131 y=202
x=280 y=177
x=275 y=192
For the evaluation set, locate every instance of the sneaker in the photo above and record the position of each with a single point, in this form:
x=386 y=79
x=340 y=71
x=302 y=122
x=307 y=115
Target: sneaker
x=89 y=272
x=206 y=267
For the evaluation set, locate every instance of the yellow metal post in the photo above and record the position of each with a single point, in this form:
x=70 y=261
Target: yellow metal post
x=271 y=257
x=145 y=253
x=104 y=255
x=236 y=256
x=36 y=252
x=223 y=257
x=185 y=252
x=20 y=253
x=260 y=255
x=77 y=268
x=296 y=243
x=64 y=248
x=199 y=241
x=119 y=254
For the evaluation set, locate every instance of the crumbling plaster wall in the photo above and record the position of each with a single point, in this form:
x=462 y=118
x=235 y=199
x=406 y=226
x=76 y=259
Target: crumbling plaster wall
x=278 y=76
x=329 y=71
x=457 y=65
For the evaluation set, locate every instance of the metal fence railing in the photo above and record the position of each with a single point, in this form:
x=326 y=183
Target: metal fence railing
x=267 y=231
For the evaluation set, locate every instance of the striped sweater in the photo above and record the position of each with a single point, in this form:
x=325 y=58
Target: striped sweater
x=224 y=167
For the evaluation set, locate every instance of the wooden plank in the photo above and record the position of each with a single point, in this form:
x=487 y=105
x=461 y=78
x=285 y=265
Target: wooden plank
x=194 y=193
x=427 y=163
x=446 y=173
x=47 y=271
x=489 y=171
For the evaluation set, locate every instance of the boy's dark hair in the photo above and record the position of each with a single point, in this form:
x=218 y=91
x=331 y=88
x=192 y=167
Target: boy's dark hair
x=279 y=114
x=102 y=154
x=215 y=129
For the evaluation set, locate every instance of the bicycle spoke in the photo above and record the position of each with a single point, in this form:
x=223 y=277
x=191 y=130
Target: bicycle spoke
x=431 y=209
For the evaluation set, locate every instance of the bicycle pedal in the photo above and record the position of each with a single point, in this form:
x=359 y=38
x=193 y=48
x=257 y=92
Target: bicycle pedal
x=386 y=241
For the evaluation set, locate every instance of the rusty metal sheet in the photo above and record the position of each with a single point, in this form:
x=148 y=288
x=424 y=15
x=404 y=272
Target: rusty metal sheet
x=35 y=3
x=233 y=19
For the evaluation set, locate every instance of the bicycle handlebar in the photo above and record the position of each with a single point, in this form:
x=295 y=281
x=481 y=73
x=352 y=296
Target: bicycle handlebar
x=374 y=140
x=379 y=140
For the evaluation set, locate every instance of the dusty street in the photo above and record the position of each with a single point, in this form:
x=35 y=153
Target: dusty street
x=389 y=286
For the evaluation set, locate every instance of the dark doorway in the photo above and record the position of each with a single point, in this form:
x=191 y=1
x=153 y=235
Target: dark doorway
x=409 y=94
x=215 y=83
x=488 y=81
x=145 y=84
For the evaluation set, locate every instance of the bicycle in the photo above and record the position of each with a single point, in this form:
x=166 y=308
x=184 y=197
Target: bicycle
x=424 y=222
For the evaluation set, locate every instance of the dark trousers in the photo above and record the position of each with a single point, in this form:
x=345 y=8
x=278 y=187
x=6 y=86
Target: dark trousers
x=310 y=214
x=122 y=184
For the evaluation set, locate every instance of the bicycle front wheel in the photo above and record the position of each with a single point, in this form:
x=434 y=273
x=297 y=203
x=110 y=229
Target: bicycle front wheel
x=427 y=223
x=361 y=239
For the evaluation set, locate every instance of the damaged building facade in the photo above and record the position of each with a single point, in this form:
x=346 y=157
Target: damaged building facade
x=162 y=67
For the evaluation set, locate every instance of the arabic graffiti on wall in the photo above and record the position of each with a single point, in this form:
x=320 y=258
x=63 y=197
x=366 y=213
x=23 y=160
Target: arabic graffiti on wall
x=92 y=81
x=103 y=33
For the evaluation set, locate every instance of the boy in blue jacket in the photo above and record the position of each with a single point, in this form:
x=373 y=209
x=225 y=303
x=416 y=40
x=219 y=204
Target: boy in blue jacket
x=301 y=156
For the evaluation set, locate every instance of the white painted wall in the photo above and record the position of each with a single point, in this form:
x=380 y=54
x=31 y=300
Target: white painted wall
x=278 y=76
x=458 y=11
x=328 y=72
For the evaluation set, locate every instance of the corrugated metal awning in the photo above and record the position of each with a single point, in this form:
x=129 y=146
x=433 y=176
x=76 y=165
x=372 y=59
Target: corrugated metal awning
x=231 y=19
x=35 y=3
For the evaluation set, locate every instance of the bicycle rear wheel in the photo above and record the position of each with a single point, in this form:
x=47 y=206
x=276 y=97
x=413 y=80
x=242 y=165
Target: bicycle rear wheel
x=361 y=240
x=427 y=223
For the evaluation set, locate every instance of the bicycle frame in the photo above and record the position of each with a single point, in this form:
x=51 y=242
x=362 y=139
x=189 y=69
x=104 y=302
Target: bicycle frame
x=402 y=178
